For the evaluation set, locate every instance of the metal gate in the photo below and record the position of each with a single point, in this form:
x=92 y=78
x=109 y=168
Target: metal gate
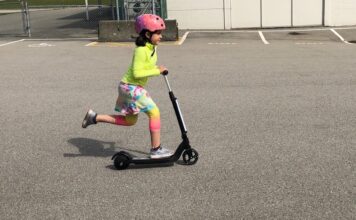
x=54 y=18
x=13 y=18
x=130 y=9
x=68 y=18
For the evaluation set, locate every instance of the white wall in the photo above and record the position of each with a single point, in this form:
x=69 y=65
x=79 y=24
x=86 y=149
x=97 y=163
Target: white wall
x=340 y=12
x=197 y=14
x=210 y=14
x=276 y=13
x=311 y=15
x=245 y=14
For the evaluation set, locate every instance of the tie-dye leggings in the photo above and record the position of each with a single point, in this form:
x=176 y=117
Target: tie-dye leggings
x=132 y=100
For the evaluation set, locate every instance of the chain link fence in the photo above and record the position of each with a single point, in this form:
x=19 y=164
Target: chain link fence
x=130 y=9
x=54 y=18
x=69 y=18
x=11 y=18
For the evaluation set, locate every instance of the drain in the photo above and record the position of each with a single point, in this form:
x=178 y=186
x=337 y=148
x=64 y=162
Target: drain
x=296 y=33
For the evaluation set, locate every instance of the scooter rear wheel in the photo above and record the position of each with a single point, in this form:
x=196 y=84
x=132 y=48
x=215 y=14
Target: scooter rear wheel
x=190 y=156
x=121 y=162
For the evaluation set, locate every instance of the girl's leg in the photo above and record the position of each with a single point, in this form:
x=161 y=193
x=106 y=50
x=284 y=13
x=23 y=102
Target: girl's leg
x=155 y=126
x=157 y=151
x=127 y=120
x=92 y=118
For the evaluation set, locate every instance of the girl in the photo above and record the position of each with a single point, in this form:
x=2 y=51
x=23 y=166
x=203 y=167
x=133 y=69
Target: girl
x=133 y=98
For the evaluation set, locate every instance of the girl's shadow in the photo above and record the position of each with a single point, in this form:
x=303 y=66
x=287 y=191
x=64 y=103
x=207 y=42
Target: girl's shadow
x=95 y=148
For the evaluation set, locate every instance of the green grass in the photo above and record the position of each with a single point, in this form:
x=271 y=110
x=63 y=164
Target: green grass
x=15 y=4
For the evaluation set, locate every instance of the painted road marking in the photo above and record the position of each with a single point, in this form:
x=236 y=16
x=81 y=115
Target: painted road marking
x=62 y=39
x=91 y=44
x=41 y=45
x=181 y=41
x=12 y=42
x=110 y=44
x=263 y=37
x=309 y=43
x=339 y=36
x=222 y=43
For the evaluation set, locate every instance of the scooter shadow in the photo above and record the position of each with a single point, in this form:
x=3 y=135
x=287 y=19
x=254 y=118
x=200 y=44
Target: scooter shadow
x=146 y=166
x=95 y=148
x=142 y=166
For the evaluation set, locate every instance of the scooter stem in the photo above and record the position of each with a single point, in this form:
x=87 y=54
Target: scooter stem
x=167 y=83
x=177 y=110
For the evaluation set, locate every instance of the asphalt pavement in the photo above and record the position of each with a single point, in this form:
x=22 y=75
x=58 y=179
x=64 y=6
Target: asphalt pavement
x=274 y=125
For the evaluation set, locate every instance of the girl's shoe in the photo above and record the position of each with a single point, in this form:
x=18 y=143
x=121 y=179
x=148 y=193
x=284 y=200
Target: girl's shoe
x=89 y=118
x=160 y=153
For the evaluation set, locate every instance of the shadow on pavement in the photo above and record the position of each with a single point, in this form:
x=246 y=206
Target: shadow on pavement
x=143 y=166
x=95 y=148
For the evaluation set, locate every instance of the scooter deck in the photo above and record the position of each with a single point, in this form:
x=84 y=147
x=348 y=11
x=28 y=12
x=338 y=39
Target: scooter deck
x=148 y=160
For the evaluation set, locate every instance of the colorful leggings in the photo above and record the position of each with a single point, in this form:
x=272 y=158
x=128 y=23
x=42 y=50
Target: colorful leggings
x=153 y=116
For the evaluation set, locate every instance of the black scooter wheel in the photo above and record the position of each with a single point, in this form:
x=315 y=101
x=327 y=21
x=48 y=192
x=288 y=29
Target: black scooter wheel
x=190 y=156
x=121 y=162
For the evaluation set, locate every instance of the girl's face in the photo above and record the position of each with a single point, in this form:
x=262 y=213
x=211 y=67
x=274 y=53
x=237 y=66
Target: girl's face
x=156 y=37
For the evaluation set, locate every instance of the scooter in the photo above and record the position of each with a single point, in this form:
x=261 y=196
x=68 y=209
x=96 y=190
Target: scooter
x=123 y=159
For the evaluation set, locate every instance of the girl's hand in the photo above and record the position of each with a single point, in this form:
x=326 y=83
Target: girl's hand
x=162 y=69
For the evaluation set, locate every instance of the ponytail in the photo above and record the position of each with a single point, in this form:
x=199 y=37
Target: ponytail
x=141 y=40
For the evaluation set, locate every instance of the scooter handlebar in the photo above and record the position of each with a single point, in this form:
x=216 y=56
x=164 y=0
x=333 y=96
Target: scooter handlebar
x=165 y=73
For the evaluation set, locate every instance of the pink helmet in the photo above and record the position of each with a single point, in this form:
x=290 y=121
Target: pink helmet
x=149 y=22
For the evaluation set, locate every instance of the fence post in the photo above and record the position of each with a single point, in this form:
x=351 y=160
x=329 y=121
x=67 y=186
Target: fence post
x=87 y=9
x=28 y=20
x=117 y=10
x=25 y=18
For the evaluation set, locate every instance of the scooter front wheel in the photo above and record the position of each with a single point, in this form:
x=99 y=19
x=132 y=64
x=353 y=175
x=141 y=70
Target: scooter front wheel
x=190 y=156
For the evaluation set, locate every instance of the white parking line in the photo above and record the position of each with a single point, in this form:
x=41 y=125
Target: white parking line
x=181 y=41
x=263 y=37
x=339 y=36
x=91 y=44
x=12 y=42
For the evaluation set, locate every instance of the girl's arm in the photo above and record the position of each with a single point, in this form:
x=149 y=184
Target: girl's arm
x=139 y=63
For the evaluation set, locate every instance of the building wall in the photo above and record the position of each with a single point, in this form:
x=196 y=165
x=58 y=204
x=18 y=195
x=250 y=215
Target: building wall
x=340 y=12
x=230 y=14
x=276 y=13
x=197 y=14
x=245 y=14
x=312 y=15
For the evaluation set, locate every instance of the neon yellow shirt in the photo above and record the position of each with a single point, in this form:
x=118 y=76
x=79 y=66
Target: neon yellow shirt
x=143 y=66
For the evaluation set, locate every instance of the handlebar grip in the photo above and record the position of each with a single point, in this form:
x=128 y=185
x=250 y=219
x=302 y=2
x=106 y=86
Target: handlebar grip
x=165 y=72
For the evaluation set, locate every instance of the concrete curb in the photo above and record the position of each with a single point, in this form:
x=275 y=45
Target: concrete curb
x=124 y=31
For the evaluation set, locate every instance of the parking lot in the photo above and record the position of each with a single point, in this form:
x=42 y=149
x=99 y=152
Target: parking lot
x=271 y=113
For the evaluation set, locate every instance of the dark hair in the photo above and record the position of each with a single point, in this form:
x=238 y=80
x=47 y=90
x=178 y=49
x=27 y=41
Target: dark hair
x=142 y=39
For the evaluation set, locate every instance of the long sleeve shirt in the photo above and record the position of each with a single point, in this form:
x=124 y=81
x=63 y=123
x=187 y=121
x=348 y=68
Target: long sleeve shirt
x=143 y=66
